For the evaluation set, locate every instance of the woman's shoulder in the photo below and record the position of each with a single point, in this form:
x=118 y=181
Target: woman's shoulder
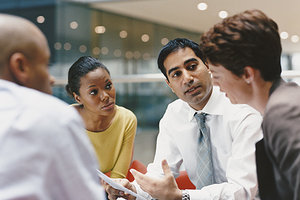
x=125 y=113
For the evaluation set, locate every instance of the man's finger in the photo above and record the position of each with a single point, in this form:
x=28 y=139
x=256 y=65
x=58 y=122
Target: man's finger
x=145 y=182
x=165 y=167
x=136 y=174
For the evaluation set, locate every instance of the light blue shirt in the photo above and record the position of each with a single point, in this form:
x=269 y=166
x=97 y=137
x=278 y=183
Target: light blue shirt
x=44 y=151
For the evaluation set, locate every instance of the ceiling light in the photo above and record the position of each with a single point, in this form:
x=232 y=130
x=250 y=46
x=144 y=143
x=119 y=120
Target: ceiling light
x=136 y=54
x=164 y=41
x=223 y=14
x=100 y=29
x=284 y=35
x=57 y=45
x=67 y=46
x=73 y=25
x=145 y=37
x=202 y=6
x=96 y=50
x=40 y=19
x=104 y=50
x=117 y=53
x=123 y=34
x=295 y=38
x=82 y=48
x=128 y=54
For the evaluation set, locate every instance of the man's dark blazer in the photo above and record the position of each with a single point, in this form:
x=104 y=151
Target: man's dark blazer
x=278 y=154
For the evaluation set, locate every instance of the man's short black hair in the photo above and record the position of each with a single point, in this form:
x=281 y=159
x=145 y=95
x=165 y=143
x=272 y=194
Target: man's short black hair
x=173 y=46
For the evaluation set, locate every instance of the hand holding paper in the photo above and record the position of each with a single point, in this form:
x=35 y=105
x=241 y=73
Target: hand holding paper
x=122 y=191
x=164 y=188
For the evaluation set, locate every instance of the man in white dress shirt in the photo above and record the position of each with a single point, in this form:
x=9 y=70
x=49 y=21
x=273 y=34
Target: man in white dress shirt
x=44 y=151
x=234 y=130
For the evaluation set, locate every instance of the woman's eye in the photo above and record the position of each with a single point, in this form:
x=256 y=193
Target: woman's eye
x=93 y=92
x=108 y=86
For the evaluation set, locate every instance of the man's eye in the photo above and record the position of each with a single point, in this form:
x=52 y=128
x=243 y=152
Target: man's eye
x=192 y=67
x=176 y=74
x=93 y=92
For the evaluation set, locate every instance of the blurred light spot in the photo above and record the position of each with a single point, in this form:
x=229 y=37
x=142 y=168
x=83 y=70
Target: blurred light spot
x=164 y=41
x=40 y=19
x=136 y=54
x=82 y=48
x=117 y=53
x=128 y=54
x=57 y=45
x=284 y=35
x=67 y=46
x=145 y=37
x=123 y=34
x=202 y=6
x=295 y=38
x=100 y=29
x=96 y=50
x=104 y=50
x=73 y=25
x=223 y=14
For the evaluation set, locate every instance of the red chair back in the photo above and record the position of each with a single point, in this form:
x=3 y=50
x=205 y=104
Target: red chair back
x=184 y=182
x=138 y=166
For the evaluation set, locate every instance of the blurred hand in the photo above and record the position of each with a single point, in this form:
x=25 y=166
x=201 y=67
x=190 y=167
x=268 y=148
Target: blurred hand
x=160 y=188
x=114 y=193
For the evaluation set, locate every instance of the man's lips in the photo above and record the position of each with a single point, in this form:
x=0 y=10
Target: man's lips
x=192 y=89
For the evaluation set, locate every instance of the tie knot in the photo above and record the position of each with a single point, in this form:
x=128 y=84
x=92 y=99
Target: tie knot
x=201 y=117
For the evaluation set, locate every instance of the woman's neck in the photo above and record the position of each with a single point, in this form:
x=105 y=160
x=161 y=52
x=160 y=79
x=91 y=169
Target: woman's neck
x=94 y=122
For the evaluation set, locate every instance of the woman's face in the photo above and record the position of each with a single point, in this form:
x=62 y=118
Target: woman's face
x=236 y=88
x=97 y=92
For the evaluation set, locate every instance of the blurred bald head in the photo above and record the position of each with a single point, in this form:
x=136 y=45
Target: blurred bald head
x=24 y=54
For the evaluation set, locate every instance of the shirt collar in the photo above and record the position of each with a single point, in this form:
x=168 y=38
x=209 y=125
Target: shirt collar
x=214 y=106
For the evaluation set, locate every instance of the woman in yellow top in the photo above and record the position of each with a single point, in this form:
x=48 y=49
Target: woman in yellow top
x=111 y=128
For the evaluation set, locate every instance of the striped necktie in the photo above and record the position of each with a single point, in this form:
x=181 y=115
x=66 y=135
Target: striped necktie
x=204 y=168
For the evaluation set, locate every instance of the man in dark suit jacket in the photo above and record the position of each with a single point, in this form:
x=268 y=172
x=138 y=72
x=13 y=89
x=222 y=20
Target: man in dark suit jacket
x=244 y=54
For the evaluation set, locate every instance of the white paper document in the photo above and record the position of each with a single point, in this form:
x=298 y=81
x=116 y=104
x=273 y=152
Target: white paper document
x=117 y=186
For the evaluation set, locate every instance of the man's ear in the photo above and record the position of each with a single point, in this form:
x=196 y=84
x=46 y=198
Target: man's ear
x=249 y=73
x=169 y=85
x=19 y=68
x=77 y=98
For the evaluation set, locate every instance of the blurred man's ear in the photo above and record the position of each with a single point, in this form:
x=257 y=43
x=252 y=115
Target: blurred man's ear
x=19 y=68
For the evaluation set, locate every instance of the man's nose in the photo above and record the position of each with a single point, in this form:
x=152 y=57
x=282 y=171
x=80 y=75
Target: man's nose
x=188 y=78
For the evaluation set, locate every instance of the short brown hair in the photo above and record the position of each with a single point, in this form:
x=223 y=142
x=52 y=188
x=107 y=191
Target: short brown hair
x=249 y=38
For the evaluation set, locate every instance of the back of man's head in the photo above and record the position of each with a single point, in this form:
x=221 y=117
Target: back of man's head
x=249 y=38
x=173 y=46
x=24 y=53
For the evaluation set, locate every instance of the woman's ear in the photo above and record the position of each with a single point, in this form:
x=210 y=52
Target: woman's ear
x=248 y=75
x=19 y=68
x=77 y=98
